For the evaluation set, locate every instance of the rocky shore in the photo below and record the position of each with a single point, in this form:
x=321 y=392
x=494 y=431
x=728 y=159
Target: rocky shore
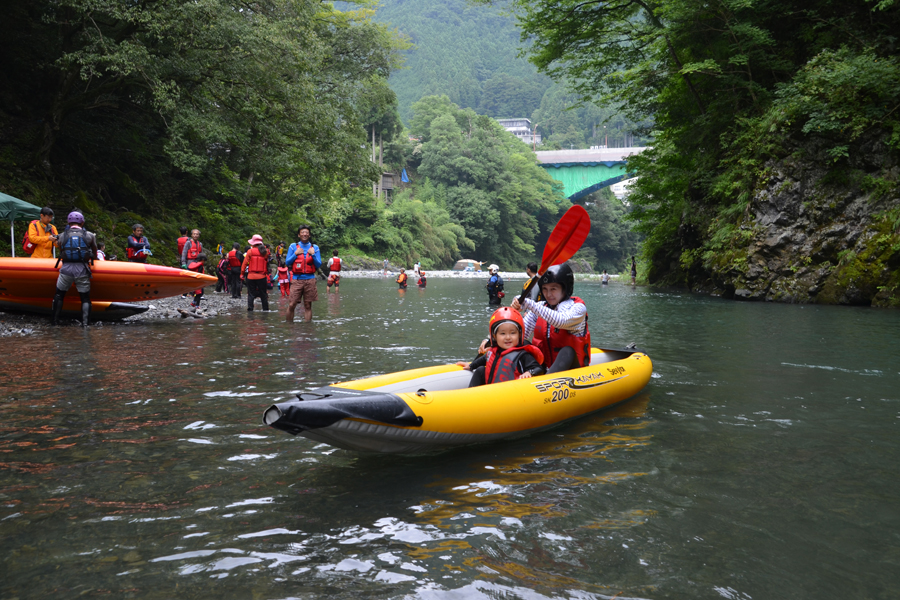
x=212 y=304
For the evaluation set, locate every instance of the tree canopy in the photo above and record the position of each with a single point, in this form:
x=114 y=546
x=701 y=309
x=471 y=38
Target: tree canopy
x=727 y=84
x=225 y=106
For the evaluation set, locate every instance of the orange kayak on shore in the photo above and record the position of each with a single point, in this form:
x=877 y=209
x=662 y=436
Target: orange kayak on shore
x=30 y=283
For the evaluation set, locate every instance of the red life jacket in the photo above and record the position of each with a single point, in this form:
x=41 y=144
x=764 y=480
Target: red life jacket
x=335 y=264
x=258 y=262
x=131 y=253
x=551 y=340
x=303 y=262
x=233 y=259
x=194 y=250
x=505 y=366
x=282 y=273
x=181 y=242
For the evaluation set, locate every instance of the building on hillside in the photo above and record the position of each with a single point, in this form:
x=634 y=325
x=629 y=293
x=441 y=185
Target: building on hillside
x=620 y=189
x=521 y=128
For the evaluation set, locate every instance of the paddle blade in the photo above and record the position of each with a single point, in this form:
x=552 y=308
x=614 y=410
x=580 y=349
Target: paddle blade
x=566 y=238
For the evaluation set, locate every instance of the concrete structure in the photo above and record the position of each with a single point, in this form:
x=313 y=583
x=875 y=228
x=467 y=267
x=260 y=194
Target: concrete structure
x=521 y=128
x=584 y=171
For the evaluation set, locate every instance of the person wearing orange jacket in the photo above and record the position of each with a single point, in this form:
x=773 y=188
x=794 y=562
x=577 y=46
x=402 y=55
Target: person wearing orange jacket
x=256 y=265
x=43 y=235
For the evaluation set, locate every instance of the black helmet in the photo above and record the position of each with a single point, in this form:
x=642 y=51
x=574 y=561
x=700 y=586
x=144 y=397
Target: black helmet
x=561 y=274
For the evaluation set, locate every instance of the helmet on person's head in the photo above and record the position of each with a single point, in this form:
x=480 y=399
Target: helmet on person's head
x=561 y=274
x=505 y=314
x=75 y=217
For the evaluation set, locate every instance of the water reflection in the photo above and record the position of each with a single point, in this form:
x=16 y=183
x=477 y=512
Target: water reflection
x=760 y=461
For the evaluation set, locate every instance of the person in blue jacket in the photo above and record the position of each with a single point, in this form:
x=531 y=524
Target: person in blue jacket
x=303 y=259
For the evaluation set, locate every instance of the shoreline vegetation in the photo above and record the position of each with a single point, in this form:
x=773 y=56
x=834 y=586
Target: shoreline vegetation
x=771 y=175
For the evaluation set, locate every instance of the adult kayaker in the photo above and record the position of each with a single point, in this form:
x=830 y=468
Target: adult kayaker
x=77 y=250
x=559 y=323
x=509 y=357
x=402 y=279
x=256 y=264
x=42 y=235
x=334 y=272
x=192 y=249
x=302 y=260
x=138 y=247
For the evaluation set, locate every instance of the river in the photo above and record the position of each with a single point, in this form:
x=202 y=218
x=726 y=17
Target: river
x=761 y=461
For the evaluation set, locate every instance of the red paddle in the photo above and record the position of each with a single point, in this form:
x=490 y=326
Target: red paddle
x=565 y=240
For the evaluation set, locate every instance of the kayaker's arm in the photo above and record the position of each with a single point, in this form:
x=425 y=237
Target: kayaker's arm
x=568 y=315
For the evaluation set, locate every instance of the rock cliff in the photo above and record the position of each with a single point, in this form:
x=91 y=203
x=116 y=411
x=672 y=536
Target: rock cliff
x=819 y=233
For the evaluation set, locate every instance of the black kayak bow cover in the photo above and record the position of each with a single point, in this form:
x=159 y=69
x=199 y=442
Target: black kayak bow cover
x=327 y=406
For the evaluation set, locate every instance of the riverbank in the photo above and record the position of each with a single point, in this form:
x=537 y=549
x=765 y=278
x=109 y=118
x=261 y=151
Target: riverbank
x=212 y=304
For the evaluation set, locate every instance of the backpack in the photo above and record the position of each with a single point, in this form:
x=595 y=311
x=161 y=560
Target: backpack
x=74 y=248
x=27 y=245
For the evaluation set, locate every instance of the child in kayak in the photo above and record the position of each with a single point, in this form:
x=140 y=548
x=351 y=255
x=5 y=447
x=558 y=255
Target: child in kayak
x=509 y=357
x=559 y=322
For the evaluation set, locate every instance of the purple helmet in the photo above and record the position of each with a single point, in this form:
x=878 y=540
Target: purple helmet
x=75 y=217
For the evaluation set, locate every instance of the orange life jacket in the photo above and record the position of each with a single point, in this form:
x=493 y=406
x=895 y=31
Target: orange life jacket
x=303 y=261
x=550 y=340
x=258 y=262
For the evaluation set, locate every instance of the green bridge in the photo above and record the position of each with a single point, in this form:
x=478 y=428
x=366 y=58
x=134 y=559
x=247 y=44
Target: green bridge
x=584 y=171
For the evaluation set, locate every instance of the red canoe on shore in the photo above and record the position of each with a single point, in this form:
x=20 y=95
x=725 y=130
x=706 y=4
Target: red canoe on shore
x=29 y=284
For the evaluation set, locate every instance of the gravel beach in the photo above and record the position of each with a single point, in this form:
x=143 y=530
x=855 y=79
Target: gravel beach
x=211 y=305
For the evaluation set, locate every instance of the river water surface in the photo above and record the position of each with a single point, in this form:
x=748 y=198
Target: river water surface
x=760 y=462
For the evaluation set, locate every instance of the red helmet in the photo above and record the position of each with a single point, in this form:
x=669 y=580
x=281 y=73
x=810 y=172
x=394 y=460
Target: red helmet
x=506 y=314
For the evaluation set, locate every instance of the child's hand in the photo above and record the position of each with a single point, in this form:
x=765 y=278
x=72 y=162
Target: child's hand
x=483 y=346
x=464 y=365
x=525 y=375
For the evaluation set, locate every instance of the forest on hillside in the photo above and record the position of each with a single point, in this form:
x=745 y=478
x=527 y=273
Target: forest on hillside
x=470 y=53
x=242 y=119
x=748 y=101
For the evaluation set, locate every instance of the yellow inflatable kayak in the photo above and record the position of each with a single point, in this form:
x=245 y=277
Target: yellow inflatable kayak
x=432 y=408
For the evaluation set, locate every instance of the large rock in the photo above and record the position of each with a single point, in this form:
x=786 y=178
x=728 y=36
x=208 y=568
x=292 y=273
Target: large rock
x=812 y=238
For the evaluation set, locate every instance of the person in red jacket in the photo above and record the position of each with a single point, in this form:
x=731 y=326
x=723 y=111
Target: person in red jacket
x=182 y=241
x=334 y=272
x=256 y=265
x=508 y=357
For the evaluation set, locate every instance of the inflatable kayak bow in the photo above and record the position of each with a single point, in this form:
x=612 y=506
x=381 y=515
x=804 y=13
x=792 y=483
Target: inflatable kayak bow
x=429 y=409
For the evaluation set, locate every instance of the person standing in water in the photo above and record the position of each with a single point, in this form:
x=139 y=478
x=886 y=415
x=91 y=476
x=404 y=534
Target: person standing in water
x=633 y=270
x=303 y=259
x=77 y=251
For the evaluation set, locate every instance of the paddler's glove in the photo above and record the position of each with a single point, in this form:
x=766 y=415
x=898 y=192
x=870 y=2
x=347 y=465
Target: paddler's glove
x=183 y=266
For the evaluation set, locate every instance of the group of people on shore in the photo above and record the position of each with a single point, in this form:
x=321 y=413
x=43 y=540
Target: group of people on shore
x=296 y=266
x=292 y=268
